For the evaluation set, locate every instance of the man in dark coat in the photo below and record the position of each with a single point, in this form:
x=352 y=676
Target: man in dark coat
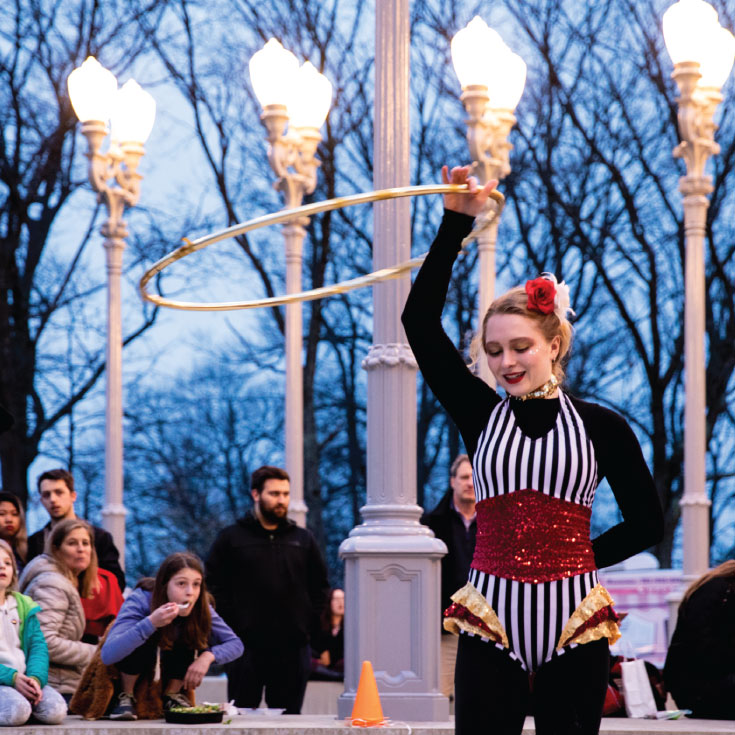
x=453 y=521
x=56 y=488
x=269 y=583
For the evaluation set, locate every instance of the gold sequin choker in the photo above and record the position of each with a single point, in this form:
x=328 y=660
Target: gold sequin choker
x=543 y=392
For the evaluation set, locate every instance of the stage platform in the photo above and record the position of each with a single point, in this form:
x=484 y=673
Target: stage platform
x=328 y=725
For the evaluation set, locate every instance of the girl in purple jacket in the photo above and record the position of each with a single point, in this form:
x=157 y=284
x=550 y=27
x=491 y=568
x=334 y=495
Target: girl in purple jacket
x=170 y=615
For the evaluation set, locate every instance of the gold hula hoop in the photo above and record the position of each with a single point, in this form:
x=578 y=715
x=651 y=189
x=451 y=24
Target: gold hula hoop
x=384 y=274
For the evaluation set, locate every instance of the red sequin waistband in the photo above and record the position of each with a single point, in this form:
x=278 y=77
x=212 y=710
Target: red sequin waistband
x=531 y=537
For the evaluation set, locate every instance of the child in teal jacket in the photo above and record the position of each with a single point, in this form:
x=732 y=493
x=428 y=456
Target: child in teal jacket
x=23 y=655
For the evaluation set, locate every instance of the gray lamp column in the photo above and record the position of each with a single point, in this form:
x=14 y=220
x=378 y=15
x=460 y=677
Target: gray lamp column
x=114 y=175
x=391 y=560
x=702 y=52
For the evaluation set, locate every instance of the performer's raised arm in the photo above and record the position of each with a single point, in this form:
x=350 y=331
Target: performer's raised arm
x=441 y=365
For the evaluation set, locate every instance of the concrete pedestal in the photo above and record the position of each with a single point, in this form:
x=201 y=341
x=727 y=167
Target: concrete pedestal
x=393 y=583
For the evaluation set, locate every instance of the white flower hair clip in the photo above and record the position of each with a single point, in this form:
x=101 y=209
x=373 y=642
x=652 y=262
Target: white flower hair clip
x=562 y=304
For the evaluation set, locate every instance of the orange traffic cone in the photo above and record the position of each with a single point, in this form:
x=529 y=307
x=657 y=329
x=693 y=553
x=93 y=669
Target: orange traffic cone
x=367 y=712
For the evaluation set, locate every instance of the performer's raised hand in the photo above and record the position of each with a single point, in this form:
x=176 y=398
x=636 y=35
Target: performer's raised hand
x=472 y=203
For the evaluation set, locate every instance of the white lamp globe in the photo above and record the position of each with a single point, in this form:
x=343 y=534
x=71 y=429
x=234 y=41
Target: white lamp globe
x=716 y=65
x=92 y=90
x=506 y=85
x=272 y=73
x=474 y=52
x=133 y=114
x=310 y=98
x=688 y=26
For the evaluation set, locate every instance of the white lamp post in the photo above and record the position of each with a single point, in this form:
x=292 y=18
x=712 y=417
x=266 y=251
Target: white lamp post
x=702 y=52
x=114 y=175
x=492 y=79
x=297 y=97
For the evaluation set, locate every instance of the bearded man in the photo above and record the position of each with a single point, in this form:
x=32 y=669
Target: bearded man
x=269 y=583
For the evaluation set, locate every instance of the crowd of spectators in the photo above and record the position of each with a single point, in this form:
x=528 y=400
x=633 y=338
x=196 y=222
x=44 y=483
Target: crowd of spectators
x=69 y=641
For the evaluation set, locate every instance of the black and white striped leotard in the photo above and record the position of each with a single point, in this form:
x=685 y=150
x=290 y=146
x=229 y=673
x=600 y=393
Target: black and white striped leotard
x=561 y=448
x=562 y=465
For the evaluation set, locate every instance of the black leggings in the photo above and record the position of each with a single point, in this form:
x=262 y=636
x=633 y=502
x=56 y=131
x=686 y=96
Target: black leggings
x=282 y=672
x=174 y=662
x=492 y=693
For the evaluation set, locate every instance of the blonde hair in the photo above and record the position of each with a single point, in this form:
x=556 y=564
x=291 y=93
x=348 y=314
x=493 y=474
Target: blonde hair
x=551 y=325
x=88 y=584
x=8 y=549
x=726 y=569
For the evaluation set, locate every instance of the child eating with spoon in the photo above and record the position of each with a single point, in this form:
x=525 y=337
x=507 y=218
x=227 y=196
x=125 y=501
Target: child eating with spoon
x=170 y=617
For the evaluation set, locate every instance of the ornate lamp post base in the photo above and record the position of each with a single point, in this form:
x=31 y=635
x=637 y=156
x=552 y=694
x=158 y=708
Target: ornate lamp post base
x=393 y=581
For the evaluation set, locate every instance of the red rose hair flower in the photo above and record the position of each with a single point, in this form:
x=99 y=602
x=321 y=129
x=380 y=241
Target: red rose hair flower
x=541 y=294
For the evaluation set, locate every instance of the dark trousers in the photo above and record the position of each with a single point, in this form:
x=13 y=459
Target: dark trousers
x=492 y=693
x=174 y=663
x=717 y=704
x=283 y=672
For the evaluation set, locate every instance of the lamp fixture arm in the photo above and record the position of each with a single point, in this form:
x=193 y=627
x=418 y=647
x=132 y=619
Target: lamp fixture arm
x=487 y=134
x=695 y=117
x=293 y=160
x=114 y=176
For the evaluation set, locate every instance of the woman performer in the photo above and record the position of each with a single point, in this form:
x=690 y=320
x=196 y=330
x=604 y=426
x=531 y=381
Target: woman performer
x=533 y=617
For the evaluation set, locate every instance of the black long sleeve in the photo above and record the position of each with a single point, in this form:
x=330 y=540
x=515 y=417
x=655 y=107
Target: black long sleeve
x=466 y=398
x=620 y=460
x=219 y=580
x=318 y=584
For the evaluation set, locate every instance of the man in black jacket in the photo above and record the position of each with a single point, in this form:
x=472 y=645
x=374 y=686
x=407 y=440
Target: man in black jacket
x=56 y=488
x=269 y=583
x=453 y=521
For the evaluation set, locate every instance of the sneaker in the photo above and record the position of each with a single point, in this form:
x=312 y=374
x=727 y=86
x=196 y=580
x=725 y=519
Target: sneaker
x=124 y=709
x=175 y=699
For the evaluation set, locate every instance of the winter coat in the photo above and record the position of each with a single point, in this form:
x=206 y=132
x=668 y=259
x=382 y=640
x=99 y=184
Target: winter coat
x=62 y=621
x=132 y=628
x=270 y=586
x=31 y=641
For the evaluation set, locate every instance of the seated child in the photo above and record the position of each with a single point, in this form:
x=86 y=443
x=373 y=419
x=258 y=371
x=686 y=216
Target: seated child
x=170 y=615
x=23 y=655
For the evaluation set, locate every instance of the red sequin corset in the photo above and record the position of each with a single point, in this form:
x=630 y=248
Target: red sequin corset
x=532 y=537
